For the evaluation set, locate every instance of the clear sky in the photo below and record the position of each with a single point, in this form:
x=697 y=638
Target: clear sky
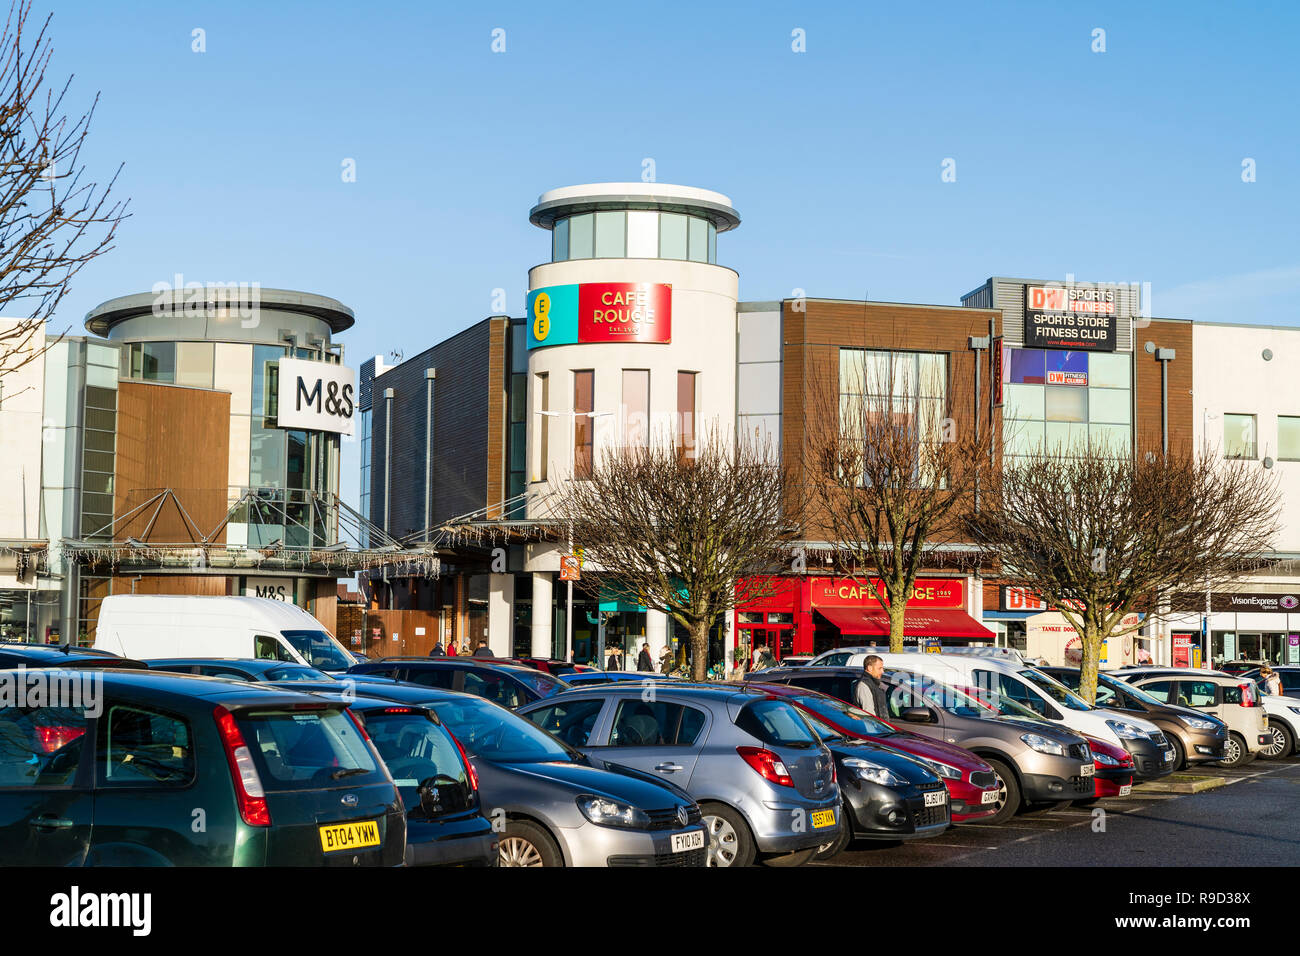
x=1122 y=165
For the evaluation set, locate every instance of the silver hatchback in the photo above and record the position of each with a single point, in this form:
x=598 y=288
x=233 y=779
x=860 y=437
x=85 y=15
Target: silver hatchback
x=764 y=781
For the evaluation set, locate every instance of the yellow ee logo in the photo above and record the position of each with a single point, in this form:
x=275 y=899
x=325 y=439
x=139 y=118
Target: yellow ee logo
x=541 y=317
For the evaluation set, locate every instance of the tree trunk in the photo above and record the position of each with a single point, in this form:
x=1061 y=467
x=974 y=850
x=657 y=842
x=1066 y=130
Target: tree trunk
x=1091 y=656
x=897 y=615
x=699 y=650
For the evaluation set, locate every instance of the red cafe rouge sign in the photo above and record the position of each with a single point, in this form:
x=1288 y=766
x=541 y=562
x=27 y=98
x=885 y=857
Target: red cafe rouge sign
x=625 y=312
x=926 y=593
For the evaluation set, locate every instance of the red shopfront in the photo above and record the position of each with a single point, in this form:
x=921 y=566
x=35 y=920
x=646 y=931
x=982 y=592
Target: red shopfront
x=813 y=614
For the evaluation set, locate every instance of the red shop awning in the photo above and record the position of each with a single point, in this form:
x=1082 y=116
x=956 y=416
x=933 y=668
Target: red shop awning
x=952 y=625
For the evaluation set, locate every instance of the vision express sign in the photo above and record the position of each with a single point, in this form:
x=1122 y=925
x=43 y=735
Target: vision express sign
x=1070 y=317
x=1242 y=602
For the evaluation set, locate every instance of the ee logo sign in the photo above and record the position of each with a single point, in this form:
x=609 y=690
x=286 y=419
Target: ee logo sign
x=541 y=318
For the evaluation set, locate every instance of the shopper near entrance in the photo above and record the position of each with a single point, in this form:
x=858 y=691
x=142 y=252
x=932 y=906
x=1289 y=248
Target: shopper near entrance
x=1270 y=681
x=643 y=661
x=666 y=661
x=868 y=692
x=437 y=650
x=483 y=649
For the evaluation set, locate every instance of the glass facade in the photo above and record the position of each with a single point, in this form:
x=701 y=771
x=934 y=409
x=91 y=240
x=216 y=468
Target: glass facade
x=1058 y=400
x=98 y=442
x=911 y=387
x=634 y=234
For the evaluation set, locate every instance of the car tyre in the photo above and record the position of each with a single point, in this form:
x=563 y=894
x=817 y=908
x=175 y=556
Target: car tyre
x=1180 y=752
x=730 y=842
x=841 y=842
x=1235 y=751
x=527 y=844
x=1283 y=741
x=1010 y=803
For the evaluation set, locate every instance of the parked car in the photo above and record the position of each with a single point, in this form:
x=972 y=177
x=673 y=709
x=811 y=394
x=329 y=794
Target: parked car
x=1290 y=675
x=977 y=792
x=1240 y=666
x=235 y=668
x=764 y=781
x=886 y=795
x=1194 y=736
x=169 y=625
x=548 y=665
x=555 y=806
x=280 y=779
x=66 y=656
x=1114 y=776
x=586 y=678
x=1233 y=700
x=509 y=685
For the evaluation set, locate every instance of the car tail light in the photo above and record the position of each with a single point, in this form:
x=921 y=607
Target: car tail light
x=361 y=728
x=50 y=739
x=767 y=764
x=248 y=786
x=1247 y=695
x=469 y=767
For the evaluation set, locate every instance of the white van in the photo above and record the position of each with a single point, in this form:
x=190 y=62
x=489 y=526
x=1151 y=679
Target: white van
x=144 y=626
x=1026 y=685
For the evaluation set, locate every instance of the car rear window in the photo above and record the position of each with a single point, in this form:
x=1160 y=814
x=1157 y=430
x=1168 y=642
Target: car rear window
x=777 y=724
x=306 y=750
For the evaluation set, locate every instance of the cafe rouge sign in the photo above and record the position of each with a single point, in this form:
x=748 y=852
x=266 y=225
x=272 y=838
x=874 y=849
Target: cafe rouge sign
x=849 y=592
x=600 y=312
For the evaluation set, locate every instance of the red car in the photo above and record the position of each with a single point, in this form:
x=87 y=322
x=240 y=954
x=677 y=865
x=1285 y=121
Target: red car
x=967 y=777
x=1114 y=776
x=547 y=665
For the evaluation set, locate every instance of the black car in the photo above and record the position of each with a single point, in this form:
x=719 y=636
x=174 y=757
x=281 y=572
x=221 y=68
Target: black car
x=128 y=767
x=17 y=654
x=509 y=685
x=235 y=668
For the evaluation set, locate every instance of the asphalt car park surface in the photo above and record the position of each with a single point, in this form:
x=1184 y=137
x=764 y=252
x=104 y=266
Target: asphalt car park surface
x=1248 y=821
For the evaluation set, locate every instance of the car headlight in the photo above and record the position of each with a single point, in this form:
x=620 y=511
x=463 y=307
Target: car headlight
x=1124 y=729
x=942 y=769
x=1105 y=759
x=873 y=772
x=1044 y=746
x=1200 y=723
x=611 y=813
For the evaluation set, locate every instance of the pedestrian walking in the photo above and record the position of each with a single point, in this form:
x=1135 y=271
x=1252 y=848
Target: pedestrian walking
x=483 y=649
x=666 y=661
x=643 y=661
x=868 y=692
x=437 y=650
x=451 y=648
x=1270 y=681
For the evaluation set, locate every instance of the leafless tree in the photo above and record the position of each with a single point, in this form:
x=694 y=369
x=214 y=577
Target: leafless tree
x=892 y=468
x=52 y=219
x=1099 y=536
x=690 y=535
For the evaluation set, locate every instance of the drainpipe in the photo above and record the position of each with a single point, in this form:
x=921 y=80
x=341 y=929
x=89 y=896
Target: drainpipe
x=1164 y=357
x=388 y=452
x=430 y=374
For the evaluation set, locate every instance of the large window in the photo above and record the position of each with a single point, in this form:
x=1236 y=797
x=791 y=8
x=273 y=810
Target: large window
x=636 y=408
x=1288 y=438
x=911 y=387
x=686 y=413
x=1057 y=399
x=98 y=440
x=542 y=402
x=634 y=234
x=1239 y=436
x=583 y=424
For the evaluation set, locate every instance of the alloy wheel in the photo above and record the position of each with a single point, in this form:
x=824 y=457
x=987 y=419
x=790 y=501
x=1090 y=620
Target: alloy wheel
x=1231 y=752
x=723 y=842
x=1277 y=745
x=516 y=851
x=1002 y=794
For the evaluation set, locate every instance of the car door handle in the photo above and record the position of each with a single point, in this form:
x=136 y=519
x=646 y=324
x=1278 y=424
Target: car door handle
x=48 y=822
x=668 y=767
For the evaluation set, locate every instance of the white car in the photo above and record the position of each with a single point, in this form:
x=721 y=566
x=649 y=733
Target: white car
x=1283 y=724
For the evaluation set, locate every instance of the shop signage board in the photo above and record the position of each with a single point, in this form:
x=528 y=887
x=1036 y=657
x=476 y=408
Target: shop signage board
x=1021 y=599
x=316 y=396
x=1248 y=602
x=570 y=568
x=1293 y=648
x=1071 y=317
x=277 y=589
x=584 y=312
x=997 y=370
x=852 y=592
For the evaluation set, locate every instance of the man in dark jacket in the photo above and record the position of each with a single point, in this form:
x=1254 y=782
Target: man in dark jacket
x=868 y=692
x=437 y=650
x=483 y=650
x=643 y=661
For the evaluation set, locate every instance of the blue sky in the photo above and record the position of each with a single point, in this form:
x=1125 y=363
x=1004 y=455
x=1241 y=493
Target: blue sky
x=1117 y=166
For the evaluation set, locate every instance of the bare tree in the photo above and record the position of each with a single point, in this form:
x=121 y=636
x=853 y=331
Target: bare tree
x=1099 y=536
x=52 y=220
x=688 y=535
x=891 y=470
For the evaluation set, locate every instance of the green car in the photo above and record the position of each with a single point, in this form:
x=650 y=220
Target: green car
x=114 y=767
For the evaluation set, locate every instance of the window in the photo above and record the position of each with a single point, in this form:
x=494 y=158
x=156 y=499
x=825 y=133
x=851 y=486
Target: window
x=442 y=678
x=270 y=649
x=1198 y=693
x=40 y=746
x=584 y=386
x=686 y=413
x=1159 y=690
x=777 y=724
x=152 y=361
x=494 y=687
x=639 y=723
x=572 y=721
x=560 y=241
x=611 y=235
x=542 y=401
x=672 y=236
x=194 y=363
x=581 y=234
x=1066 y=404
x=636 y=408
x=307 y=749
x=1288 y=438
x=1238 y=436
x=642 y=234
x=698 y=240
x=143 y=748
x=888 y=394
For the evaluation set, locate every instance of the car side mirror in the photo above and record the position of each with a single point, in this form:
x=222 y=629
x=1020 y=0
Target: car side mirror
x=919 y=715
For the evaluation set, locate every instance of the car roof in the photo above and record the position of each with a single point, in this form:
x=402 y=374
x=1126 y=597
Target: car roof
x=55 y=654
x=712 y=690
x=397 y=692
x=231 y=693
x=470 y=661
x=253 y=663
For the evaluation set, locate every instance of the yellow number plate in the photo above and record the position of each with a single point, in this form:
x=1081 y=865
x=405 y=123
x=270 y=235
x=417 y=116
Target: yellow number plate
x=349 y=836
x=823 y=818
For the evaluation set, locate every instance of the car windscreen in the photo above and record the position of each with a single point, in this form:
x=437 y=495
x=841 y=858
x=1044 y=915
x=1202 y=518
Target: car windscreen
x=494 y=733
x=307 y=749
x=414 y=747
x=776 y=723
x=842 y=714
x=951 y=699
x=319 y=650
x=1128 y=690
x=1055 y=689
x=543 y=685
x=295 y=672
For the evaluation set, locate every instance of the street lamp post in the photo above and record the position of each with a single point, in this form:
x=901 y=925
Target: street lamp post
x=573 y=461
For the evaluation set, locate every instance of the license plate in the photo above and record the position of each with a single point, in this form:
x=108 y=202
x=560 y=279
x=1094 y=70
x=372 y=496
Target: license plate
x=1125 y=790
x=936 y=798
x=349 y=836
x=1169 y=755
x=694 y=840
x=823 y=818
x=1087 y=770
x=989 y=796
